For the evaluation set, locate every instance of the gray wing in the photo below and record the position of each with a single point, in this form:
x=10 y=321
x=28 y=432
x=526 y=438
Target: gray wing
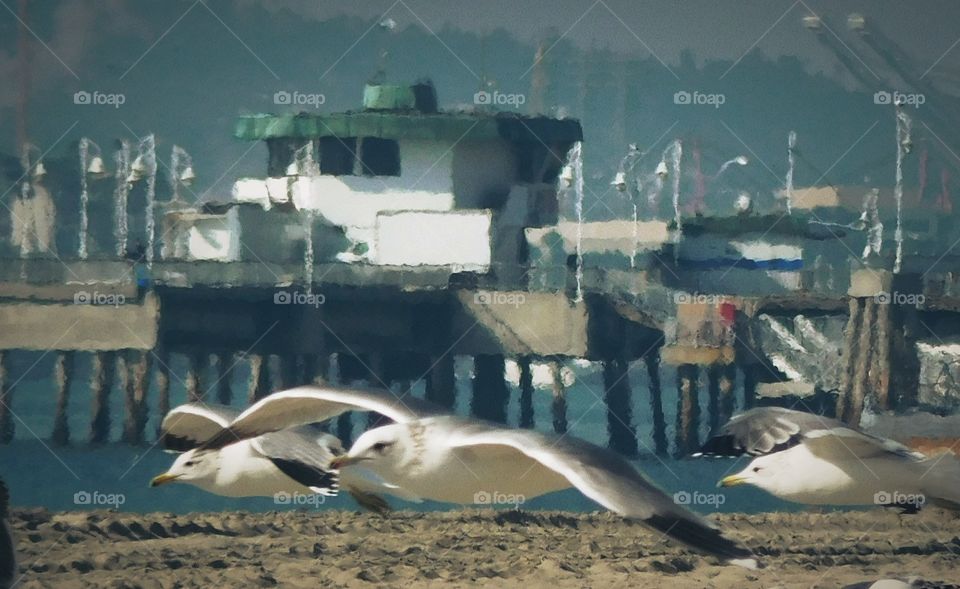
x=303 y=454
x=608 y=479
x=189 y=425
x=312 y=404
x=766 y=430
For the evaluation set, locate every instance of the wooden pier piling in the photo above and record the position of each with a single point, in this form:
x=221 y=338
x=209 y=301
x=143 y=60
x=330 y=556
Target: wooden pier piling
x=559 y=406
x=526 y=393
x=721 y=383
x=6 y=400
x=616 y=384
x=101 y=383
x=660 y=444
x=441 y=385
x=225 y=364
x=688 y=409
x=137 y=385
x=490 y=392
x=63 y=375
x=197 y=362
x=259 y=385
x=163 y=384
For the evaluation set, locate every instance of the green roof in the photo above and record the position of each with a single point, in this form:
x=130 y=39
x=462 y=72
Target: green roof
x=409 y=125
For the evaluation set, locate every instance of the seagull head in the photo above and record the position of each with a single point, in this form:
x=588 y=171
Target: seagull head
x=191 y=466
x=378 y=449
x=761 y=472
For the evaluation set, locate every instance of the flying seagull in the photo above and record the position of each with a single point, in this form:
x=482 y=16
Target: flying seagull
x=295 y=460
x=434 y=455
x=806 y=458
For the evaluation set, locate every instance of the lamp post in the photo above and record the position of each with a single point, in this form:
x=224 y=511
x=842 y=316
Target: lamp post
x=144 y=166
x=121 y=160
x=91 y=167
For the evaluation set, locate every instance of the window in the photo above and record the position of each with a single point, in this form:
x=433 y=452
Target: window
x=380 y=157
x=337 y=155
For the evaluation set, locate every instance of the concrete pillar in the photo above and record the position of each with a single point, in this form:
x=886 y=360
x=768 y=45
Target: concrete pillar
x=526 y=393
x=616 y=385
x=138 y=365
x=850 y=345
x=490 y=392
x=225 y=364
x=101 y=382
x=378 y=379
x=652 y=360
x=882 y=345
x=6 y=400
x=688 y=409
x=289 y=376
x=726 y=383
x=559 y=407
x=442 y=381
x=63 y=376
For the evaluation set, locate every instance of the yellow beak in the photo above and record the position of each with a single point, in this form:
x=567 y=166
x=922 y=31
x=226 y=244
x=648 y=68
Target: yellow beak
x=341 y=461
x=731 y=481
x=163 y=479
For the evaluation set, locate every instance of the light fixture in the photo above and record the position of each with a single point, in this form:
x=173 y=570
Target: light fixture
x=856 y=22
x=566 y=174
x=96 y=167
x=741 y=160
x=293 y=169
x=188 y=176
x=662 y=169
x=744 y=203
x=619 y=181
x=812 y=22
x=38 y=170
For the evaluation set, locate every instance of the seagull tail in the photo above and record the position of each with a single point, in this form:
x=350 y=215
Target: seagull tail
x=702 y=537
x=941 y=482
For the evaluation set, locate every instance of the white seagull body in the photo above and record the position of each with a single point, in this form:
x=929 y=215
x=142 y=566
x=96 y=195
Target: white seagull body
x=810 y=459
x=433 y=455
x=292 y=461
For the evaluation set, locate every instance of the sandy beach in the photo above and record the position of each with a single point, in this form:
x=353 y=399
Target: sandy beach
x=468 y=548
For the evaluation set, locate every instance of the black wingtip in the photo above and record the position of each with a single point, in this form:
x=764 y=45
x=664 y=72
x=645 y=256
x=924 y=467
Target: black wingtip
x=704 y=539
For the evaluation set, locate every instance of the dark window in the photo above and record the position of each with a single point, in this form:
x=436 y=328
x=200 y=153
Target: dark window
x=380 y=157
x=337 y=155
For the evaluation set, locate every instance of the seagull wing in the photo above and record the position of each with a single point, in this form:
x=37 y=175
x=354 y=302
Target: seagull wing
x=844 y=441
x=187 y=426
x=304 y=455
x=765 y=430
x=311 y=404
x=606 y=478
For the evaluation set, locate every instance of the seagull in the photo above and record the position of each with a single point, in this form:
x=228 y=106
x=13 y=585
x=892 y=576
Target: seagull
x=806 y=458
x=434 y=455
x=278 y=464
x=8 y=556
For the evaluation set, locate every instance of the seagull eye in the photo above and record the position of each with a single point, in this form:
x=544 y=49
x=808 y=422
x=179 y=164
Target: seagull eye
x=756 y=469
x=381 y=447
x=189 y=463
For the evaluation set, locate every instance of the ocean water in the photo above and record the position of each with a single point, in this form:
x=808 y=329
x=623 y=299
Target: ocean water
x=116 y=475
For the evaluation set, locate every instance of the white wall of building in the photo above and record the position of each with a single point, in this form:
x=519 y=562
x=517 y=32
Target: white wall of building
x=424 y=238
